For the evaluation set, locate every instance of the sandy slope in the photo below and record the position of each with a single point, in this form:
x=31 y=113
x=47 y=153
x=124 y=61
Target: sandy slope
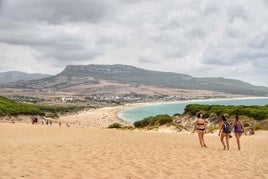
x=36 y=151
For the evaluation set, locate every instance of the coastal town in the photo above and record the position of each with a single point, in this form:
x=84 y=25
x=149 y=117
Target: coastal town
x=107 y=100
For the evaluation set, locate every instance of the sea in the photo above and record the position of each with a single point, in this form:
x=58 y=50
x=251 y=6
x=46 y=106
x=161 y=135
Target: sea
x=139 y=112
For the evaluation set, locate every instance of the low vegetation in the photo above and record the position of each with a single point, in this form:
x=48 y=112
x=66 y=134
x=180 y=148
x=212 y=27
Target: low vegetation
x=252 y=116
x=115 y=125
x=153 y=121
x=10 y=107
x=258 y=113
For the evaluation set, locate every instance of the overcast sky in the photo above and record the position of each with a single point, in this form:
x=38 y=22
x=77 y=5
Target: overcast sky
x=202 y=38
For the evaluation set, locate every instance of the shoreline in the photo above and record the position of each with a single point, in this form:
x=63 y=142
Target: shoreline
x=136 y=105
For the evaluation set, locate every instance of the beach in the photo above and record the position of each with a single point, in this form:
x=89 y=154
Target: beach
x=40 y=151
x=100 y=117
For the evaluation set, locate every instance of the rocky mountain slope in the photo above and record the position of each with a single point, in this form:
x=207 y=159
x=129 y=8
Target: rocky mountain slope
x=131 y=75
x=122 y=79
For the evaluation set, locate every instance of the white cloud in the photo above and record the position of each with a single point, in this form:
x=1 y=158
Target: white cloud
x=30 y=63
x=201 y=38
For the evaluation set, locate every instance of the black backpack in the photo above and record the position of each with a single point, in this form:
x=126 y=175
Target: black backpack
x=226 y=127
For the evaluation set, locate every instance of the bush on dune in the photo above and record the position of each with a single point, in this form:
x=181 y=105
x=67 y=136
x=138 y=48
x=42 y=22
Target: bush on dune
x=115 y=125
x=257 y=112
x=153 y=120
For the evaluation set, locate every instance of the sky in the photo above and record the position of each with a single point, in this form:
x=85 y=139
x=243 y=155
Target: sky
x=208 y=38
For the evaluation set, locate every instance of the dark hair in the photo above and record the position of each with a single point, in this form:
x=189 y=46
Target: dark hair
x=198 y=114
x=237 y=117
x=223 y=118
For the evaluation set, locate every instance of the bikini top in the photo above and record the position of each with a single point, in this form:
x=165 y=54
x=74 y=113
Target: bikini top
x=200 y=124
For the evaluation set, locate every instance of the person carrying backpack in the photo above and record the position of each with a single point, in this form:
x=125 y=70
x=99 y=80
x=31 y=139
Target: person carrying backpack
x=225 y=131
x=238 y=130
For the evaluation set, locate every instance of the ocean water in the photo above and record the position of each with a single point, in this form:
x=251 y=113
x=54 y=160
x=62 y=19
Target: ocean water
x=140 y=112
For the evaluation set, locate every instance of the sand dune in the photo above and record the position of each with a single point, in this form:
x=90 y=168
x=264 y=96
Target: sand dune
x=36 y=151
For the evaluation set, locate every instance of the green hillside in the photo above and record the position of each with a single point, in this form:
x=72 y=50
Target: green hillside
x=10 y=107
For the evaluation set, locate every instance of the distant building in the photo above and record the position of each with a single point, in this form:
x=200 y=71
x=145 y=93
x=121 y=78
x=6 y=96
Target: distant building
x=65 y=99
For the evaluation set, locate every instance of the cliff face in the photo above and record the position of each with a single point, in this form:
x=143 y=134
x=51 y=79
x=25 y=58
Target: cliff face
x=97 y=69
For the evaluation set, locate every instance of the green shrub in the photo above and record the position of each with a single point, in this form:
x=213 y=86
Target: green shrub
x=165 y=119
x=127 y=127
x=246 y=124
x=177 y=114
x=257 y=112
x=115 y=125
x=151 y=121
x=257 y=127
x=211 y=129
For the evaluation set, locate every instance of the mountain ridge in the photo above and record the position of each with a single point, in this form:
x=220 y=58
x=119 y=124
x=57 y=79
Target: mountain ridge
x=109 y=80
x=129 y=74
x=13 y=76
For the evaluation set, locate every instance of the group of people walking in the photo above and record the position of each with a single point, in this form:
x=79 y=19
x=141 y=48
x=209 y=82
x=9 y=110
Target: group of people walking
x=225 y=129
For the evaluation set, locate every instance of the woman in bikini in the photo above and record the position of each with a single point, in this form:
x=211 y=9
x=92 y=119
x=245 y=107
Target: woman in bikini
x=224 y=132
x=238 y=130
x=201 y=129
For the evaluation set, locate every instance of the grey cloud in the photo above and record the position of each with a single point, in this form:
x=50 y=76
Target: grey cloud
x=1 y=5
x=261 y=66
x=249 y=56
x=71 y=56
x=57 y=45
x=174 y=53
x=265 y=2
x=114 y=36
x=144 y=60
x=212 y=9
x=243 y=39
x=60 y=11
x=237 y=11
x=259 y=42
x=180 y=32
x=43 y=25
x=207 y=33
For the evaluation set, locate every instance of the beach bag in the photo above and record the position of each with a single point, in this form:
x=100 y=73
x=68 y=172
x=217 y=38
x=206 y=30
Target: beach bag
x=226 y=127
